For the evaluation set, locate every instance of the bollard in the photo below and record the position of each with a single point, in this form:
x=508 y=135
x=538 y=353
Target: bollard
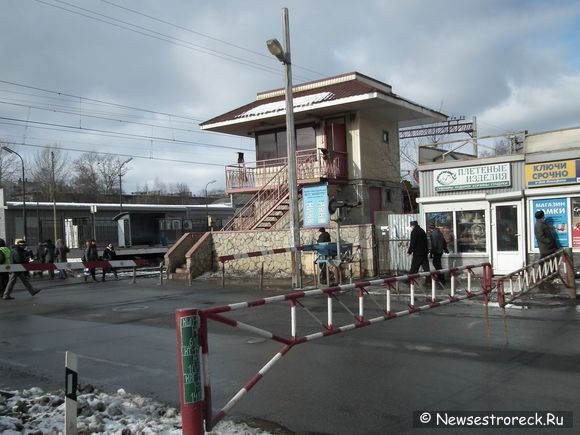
x=161 y=273
x=223 y=274
x=434 y=281
x=134 y=279
x=329 y=308
x=70 y=391
x=189 y=363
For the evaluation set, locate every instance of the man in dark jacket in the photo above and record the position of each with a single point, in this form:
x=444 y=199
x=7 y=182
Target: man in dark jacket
x=323 y=237
x=47 y=255
x=19 y=256
x=438 y=247
x=109 y=254
x=546 y=240
x=419 y=249
x=91 y=254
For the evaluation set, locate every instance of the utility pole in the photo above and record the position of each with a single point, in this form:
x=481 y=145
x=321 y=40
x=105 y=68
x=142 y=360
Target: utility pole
x=53 y=187
x=283 y=55
x=475 y=136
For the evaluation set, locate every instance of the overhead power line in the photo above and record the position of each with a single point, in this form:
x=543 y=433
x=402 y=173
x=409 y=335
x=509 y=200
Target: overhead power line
x=161 y=159
x=123 y=106
x=160 y=36
x=84 y=114
x=177 y=26
x=130 y=135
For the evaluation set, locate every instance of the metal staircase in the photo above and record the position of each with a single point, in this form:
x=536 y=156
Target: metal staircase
x=267 y=206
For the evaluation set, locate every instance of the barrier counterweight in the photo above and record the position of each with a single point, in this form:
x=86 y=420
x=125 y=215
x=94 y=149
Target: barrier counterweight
x=189 y=364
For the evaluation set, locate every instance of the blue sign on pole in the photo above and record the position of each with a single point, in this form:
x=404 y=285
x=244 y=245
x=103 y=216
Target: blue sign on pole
x=315 y=203
x=556 y=216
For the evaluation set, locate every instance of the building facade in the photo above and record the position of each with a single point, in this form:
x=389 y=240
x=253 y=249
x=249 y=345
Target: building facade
x=138 y=225
x=347 y=135
x=485 y=206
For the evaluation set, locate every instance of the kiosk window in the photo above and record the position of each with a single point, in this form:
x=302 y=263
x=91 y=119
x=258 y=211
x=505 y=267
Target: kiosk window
x=443 y=220
x=471 y=235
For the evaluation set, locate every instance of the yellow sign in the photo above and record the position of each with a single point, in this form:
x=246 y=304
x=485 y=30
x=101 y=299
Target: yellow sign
x=550 y=173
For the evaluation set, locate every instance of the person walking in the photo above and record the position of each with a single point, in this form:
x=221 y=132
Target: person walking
x=91 y=254
x=48 y=256
x=19 y=256
x=5 y=258
x=61 y=251
x=438 y=247
x=109 y=254
x=546 y=241
x=419 y=249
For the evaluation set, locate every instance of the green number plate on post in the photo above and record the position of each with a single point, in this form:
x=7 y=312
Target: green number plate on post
x=190 y=359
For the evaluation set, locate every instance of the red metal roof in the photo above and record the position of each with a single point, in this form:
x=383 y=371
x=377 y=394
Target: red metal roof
x=339 y=87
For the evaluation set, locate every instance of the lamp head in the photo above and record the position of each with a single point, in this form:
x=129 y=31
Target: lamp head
x=276 y=49
x=8 y=150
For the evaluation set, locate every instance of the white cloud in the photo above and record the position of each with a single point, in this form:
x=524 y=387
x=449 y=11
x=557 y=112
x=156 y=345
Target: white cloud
x=513 y=64
x=538 y=108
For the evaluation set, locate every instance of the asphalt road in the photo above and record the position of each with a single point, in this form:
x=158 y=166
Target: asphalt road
x=462 y=357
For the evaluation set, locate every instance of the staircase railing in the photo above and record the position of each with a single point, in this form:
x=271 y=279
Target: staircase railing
x=261 y=203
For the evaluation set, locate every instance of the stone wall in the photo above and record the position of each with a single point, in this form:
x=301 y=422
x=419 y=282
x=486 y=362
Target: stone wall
x=200 y=256
x=279 y=265
x=176 y=255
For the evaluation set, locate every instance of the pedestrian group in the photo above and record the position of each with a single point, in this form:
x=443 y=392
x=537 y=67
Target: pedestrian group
x=47 y=253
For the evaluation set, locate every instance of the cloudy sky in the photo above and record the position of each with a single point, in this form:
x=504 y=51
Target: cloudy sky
x=134 y=78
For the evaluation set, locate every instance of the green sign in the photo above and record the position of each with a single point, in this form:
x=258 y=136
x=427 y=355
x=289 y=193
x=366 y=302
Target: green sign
x=190 y=360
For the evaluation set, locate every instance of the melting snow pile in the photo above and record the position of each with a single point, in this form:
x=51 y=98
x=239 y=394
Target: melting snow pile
x=35 y=412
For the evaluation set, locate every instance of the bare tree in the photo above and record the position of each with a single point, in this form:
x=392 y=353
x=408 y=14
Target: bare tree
x=501 y=147
x=41 y=171
x=109 y=167
x=180 y=189
x=86 y=174
x=159 y=186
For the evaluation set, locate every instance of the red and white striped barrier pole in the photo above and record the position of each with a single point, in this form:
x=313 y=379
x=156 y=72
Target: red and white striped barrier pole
x=33 y=267
x=193 y=346
x=224 y=258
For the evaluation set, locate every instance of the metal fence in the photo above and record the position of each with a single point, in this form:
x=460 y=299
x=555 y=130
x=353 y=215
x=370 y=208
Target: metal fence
x=393 y=236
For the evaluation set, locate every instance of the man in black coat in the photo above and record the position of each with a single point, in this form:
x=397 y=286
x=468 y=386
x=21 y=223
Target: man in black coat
x=546 y=240
x=418 y=247
x=438 y=247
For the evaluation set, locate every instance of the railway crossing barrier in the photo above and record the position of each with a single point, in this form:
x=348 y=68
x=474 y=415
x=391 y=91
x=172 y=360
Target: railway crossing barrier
x=133 y=265
x=347 y=258
x=192 y=331
x=521 y=281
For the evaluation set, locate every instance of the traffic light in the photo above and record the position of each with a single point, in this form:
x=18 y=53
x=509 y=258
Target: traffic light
x=335 y=204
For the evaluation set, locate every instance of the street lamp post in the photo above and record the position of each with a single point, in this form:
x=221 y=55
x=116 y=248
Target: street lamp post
x=5 y=148
x=121 y=183
x=206 y=209
x=283 y=55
